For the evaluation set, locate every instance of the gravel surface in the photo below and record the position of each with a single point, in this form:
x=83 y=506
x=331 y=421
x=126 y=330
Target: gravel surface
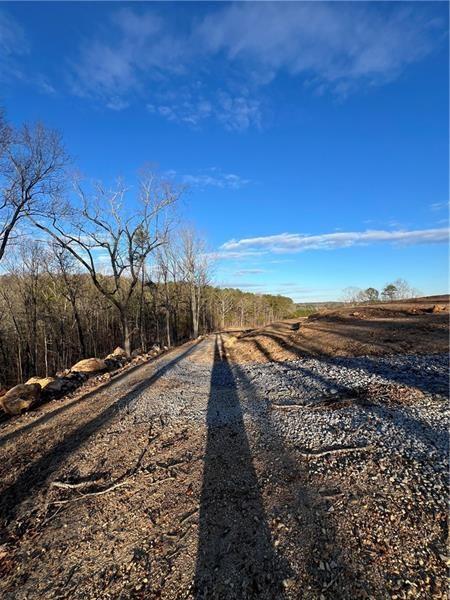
x=313 y=479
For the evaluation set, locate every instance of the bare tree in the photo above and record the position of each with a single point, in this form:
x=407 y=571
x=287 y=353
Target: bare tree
x=113 y=243
x=404 y=290
x=165 y=259
x=195 y=273
x=32 y=163
x=351 y=294
x=62 y=270
x=226 y=301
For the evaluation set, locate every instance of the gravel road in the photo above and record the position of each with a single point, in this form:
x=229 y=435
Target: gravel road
x=194 y=477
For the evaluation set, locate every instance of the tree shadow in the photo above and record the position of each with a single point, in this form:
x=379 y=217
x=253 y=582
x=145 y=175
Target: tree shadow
x=236 y=557
x=35 y=476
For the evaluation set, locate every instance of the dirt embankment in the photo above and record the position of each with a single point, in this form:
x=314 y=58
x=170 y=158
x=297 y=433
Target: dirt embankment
x=412 y=327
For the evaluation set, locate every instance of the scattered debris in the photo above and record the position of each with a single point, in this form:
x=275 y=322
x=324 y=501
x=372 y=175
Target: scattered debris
x=187 y=478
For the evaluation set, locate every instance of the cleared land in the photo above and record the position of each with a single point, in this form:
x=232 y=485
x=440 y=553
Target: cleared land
x=398 y=327
x=242 y=467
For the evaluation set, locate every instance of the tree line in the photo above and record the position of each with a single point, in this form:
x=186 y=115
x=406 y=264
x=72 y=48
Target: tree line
x=84 y=268
x=399 y=289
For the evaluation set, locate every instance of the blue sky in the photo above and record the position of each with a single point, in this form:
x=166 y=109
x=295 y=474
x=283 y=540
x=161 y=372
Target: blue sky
x=313 y=136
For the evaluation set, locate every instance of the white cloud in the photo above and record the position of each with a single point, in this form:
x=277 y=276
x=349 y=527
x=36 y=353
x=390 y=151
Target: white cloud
x=214 y=177
x=237 y=255
x=117 y=104
x=136 y=53
x=333 y=44
x=129 y=47
x=296 y=242
x=235 y=113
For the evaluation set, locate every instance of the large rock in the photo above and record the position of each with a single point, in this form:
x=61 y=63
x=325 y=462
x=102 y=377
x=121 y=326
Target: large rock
x=116 y=359
x=438 y=308
x=20 y=398
x=89 y=365
x=51 y=386
x=42 y=381
x=112 y=364
x=118 y=352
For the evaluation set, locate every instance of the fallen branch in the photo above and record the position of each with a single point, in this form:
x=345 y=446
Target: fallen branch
x=161 y=480
x=105 y=491
x=333 y=450
x=70 y=486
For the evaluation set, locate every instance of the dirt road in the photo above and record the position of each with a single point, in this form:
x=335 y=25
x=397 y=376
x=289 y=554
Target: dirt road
x=195 y=477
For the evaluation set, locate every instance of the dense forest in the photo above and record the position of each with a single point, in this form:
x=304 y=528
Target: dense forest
x=84 y=268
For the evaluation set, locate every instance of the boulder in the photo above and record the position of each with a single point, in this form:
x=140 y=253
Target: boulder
x=438 y=308
x=112 y=364
x=52 y=386
x=42 y=381
x=20 y=398
x=116 y=359
x=76 y=378
x=89 y=366
x=118 y=352
x=57 y=386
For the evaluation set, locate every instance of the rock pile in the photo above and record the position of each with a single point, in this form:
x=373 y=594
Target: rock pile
x=41 y=389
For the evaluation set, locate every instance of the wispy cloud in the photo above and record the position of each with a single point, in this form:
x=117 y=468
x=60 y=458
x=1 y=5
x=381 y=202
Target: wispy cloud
x=336 y=45
x=233 y=255
x=139 y=54
x=436 y=206
x=193 y=107
x=13 y=45
x=212 y=177
x=243 y=272
x=297 y=242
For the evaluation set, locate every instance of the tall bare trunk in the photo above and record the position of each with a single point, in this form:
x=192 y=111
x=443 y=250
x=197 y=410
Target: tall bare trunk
x=126 y=336
x=194 y=311
x=168 y=328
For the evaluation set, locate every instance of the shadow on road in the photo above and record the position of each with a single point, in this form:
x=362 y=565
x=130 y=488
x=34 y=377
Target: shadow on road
x=236 y=557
